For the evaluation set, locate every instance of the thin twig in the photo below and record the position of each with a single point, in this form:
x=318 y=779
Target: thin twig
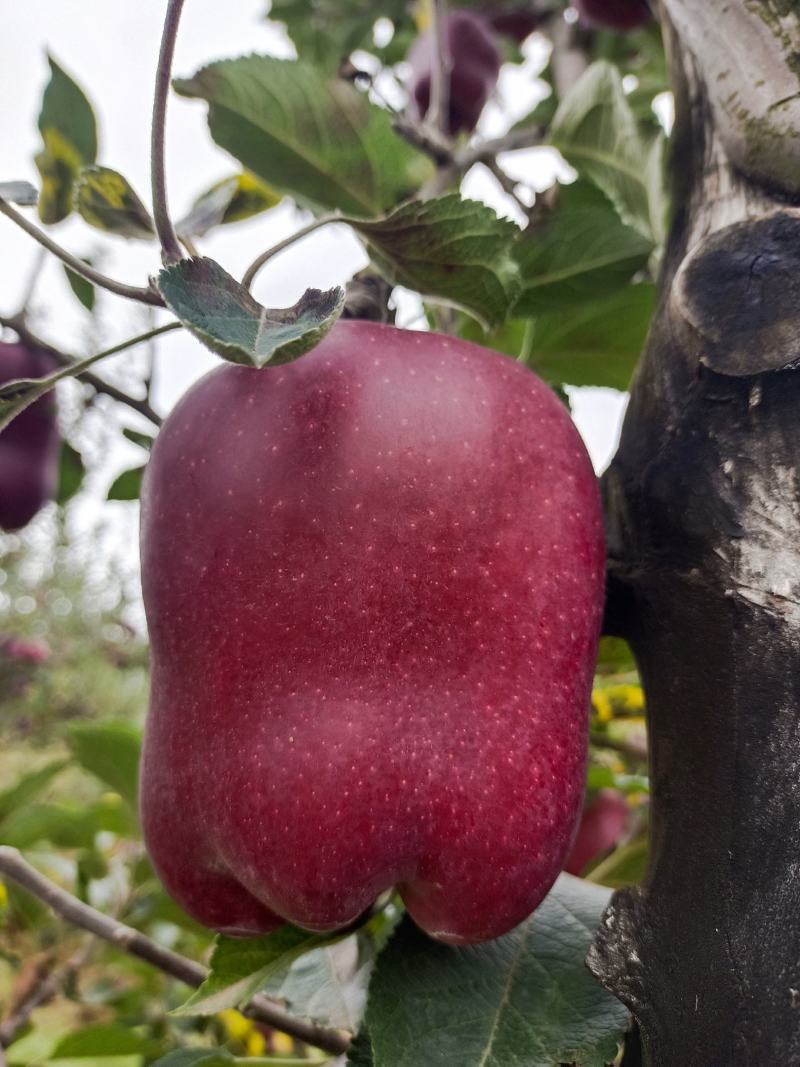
x=170 y=246
x=49 y=986
x=461 y=162
x=441 y=69
x=316 y=224
x=77 y=368
x=33 y=280
x=132 y=292
x=13 y=866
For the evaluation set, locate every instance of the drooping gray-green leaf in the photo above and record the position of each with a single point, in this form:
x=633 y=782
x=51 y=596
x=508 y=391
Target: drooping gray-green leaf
x=69 y=135
x=110 y=751
x=222 y=314
x=233 y=199
x=127 y=485
x=449 y=249
x=106 y=200
x=328 y=985
x=596 y=131
x=314 y=138
x=22 y=193
x=525 y=999
x=241 y=967
x=583 y=252
x=82 y=288
x=70 y=473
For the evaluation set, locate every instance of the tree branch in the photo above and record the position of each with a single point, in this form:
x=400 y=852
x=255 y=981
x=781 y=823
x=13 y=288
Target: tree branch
x=441 y=69
x=13 y=866
x=46 y=988
x=143 y=407
x=170 y=246
x=131 y=292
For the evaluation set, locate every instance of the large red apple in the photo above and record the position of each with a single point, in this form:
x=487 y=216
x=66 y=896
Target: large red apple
x=475 y=62
x=601 y=828
x=30 y=445
x=373 y=580
x=614 y=14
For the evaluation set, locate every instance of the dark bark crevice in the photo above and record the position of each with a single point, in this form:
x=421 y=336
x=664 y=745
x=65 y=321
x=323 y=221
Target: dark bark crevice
x=703 y=516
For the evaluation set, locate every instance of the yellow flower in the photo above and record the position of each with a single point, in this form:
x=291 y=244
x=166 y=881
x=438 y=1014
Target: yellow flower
x=602 y=705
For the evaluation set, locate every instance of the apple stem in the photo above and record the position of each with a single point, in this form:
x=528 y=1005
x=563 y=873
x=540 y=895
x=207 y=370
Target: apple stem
x=13 y=866
x=170 y=246
x=316 y=224
x=132 y=292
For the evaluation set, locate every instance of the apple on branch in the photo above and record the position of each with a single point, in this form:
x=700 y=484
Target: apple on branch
x=30 y=445
x=373 y=580
x=621 y=15
x=474 y=62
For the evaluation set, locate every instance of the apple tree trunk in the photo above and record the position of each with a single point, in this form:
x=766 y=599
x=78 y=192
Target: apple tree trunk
x=703 y=508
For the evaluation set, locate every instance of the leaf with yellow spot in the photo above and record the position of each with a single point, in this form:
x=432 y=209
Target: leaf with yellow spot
x=107 y=201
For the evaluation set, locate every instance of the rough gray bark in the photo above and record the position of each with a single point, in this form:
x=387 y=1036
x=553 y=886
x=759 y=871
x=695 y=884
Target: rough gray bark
x=703 y=504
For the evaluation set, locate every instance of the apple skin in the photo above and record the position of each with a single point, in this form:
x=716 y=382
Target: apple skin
x=30 y=445
x=373 y=580
x=614 y=14
x=514 y=22
x=475 y=61
x=602 y=825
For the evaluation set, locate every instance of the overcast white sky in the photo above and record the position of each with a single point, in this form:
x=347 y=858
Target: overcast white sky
x=111 y=49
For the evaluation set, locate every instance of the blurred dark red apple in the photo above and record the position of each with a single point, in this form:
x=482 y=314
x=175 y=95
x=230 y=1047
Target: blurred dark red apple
x=614 y=14
x=373 y=580
x=515 y=21
x=475 y=62
x=25 y=649
x=602 y=825
x=30 y=445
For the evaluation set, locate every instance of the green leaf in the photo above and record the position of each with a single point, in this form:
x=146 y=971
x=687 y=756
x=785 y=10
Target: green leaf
x=324 y=33
x=103 y=1040
x=24 y=907
x=596 y=131
x=29 y=786
x=70 y=473
x=110 y=751
x=222 y=314
x=598 y=344
x=360 y=1053
x=314 y=138
x=65 y=825
x=69 y=135
x=143 y=440
x=127 y=486
x=242 y=967
x=233 y=199
x=625 y=866
x=22 y=193
x=106 y=200
x=582 y=253
x=328 y=985
x=194 y=1057
x=449 y=249
x=525 y=999
x=83 y=289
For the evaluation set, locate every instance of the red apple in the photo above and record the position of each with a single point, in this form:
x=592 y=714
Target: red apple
x=475 y=64
x=601 y=827
x=373 y=580
x=512 y=20
x=614 y=14
x=30 y=445
x=26 y=650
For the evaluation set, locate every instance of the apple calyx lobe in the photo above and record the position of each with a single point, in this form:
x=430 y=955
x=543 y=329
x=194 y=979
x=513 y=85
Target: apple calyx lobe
x=373 y=581
x=30 y=445
x=474 y=60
